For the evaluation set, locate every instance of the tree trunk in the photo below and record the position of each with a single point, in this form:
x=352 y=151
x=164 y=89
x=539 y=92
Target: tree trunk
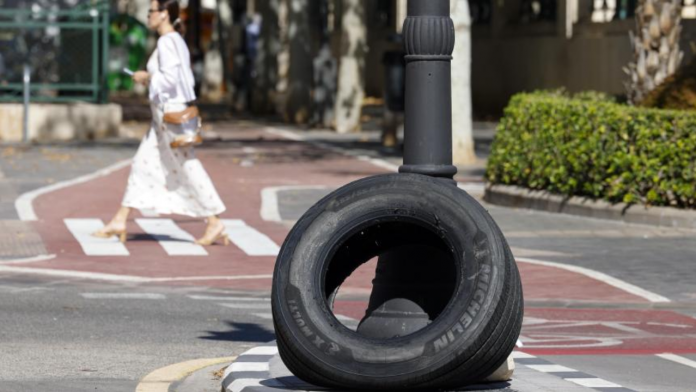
x=264 y=93
x=462 y=122
x=351 y=75
x=300 y=74
x=656 y=52
x=325 y=72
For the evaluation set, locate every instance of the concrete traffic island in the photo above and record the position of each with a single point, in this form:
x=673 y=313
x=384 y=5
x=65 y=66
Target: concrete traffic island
x=262 y=370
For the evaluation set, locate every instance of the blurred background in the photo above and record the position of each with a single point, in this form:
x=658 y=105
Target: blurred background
x=332 y=63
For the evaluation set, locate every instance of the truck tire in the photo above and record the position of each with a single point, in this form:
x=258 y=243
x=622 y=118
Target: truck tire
x=471 y=333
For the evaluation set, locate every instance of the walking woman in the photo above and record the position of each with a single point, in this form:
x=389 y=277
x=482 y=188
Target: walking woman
x=167 y=179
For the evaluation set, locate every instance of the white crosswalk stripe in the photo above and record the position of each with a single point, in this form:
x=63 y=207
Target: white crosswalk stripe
x=174 y=240
x=82 y=230
x=250 y=240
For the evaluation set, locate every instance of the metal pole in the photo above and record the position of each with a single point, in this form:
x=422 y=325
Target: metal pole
x=27 y=97
x=398 y=305
x=429 y=42
x=106 y=15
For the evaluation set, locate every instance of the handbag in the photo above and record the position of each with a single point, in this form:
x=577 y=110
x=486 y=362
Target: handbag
x=184 y=125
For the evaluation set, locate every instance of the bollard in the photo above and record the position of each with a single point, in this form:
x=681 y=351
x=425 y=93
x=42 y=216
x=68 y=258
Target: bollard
x=446 y=305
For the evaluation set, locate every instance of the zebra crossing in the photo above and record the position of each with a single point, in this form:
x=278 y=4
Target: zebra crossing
x=174 y=240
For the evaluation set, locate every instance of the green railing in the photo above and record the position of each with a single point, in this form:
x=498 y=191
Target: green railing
x=66 y=50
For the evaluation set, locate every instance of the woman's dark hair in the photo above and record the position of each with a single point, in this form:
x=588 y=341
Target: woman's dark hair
x=172 y=7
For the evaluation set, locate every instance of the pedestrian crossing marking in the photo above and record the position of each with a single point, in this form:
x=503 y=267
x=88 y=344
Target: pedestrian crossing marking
x=82 y=230
x=174 y=240
x=250 y=240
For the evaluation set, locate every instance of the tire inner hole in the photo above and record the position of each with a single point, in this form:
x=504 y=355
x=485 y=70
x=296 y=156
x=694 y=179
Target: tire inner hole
x=390 y=279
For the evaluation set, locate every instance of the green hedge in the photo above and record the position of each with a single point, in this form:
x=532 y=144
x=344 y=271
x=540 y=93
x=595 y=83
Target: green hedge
x=592 y=146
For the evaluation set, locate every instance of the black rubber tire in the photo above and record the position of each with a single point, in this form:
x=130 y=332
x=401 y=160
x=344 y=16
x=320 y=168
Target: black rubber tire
x=468 y=341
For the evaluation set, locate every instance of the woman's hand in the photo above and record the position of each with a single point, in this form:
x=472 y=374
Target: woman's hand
x=141 y=77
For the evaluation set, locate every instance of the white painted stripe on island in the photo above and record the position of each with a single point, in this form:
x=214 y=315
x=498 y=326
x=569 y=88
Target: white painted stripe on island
x=241 y=384
x=153 y=296
x=222 y=298
x=678 y=359
x=593 y=382
x=25 y=203
x=250 y=367
x=82 y=230
x=174 y=240
x=262 y=350
x=270 y=210
x=265 y=316
x=551 y=368
x=247 y=306
x=28 y=260
x=602 y=277
x=250 y=240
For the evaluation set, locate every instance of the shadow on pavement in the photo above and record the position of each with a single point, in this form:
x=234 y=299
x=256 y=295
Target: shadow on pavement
x=241 y=332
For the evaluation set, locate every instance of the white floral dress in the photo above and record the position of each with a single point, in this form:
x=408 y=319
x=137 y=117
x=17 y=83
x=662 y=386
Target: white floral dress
x=162 y=179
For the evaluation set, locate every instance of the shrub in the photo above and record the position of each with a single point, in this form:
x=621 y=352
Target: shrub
x=596 y=148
